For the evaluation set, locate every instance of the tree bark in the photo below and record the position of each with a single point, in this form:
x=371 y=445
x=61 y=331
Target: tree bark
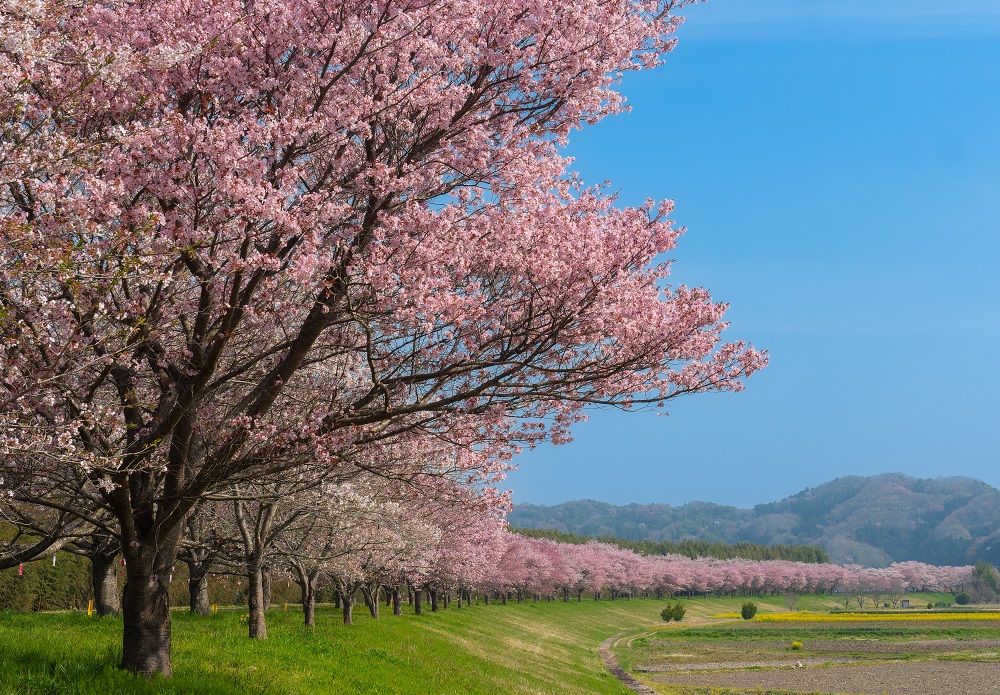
x=416 y=600
x=434 y=600
x=146 y=613
x=104 y=574
x=371 y=600
x=347 y=599
x=307 y=583
x=397 y=601
x=255 y=591
x=309 y=604
x=266 y=588
x=199 y=600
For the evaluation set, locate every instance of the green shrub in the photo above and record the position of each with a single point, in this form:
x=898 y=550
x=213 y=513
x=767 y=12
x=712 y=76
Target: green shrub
x=673 y=611
x=962 y=598
x=748 y=610
x=930 y=605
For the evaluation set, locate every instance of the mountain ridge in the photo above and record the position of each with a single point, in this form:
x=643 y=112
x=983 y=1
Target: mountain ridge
x=870 y=520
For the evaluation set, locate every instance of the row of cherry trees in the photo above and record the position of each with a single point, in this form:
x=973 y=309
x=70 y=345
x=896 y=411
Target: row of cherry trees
x=376 y=542
x=544 y=567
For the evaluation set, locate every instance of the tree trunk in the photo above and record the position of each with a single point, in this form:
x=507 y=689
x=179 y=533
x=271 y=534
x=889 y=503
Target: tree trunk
x=255 y=590
x=486 y=597
x=371 y=600
x=308 y=602
x=347 y=599
x=199 y=600
x=416 y=601
x=146 y=613
x=104 y=574
x=397 y=601
x=337 y=600
x=266 y=584
x=434 y=600
x=503 y=597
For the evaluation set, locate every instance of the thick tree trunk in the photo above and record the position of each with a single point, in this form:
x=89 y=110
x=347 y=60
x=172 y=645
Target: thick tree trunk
x=337 y=599
x=416 y=601
x=347 y=599
x=266 y=588
x=434 y=600
x=104 y=574
x=255 y=590
x=503 y=597
x=397 y=601
x=146 y=613
x=199 y=600
x=486 y=597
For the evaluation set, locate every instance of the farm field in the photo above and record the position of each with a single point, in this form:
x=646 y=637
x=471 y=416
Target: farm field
x=819 y=653
x=518 y=648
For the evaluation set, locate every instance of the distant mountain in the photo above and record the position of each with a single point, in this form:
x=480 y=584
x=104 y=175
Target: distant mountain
x=873 y=521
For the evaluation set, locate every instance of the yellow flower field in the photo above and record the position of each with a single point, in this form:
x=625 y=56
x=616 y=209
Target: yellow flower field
x=806 y=617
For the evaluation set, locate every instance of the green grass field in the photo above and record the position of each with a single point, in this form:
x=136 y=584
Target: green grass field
x=528 y=648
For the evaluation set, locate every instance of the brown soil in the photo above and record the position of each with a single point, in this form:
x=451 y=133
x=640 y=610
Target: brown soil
x=909 y=678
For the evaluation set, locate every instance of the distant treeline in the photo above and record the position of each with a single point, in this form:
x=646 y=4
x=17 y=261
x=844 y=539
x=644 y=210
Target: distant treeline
x=691 y=548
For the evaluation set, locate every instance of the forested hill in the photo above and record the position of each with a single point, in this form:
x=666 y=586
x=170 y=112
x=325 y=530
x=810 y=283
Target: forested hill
x=872 y=521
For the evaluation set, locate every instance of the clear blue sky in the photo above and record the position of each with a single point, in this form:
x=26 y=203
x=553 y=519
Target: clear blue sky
x=837 y=165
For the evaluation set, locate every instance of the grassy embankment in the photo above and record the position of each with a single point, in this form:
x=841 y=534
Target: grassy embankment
x=528 y=648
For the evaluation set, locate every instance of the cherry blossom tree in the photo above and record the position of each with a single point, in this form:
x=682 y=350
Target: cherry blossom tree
x=237 y=236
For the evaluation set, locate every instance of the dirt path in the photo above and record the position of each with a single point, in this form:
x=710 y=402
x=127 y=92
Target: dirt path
x=611 y=663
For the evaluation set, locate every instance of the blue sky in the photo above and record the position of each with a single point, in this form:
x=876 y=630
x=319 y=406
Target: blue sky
x=837 y=165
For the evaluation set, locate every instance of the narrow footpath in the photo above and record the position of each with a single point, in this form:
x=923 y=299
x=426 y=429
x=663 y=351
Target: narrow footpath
x=611 y=663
